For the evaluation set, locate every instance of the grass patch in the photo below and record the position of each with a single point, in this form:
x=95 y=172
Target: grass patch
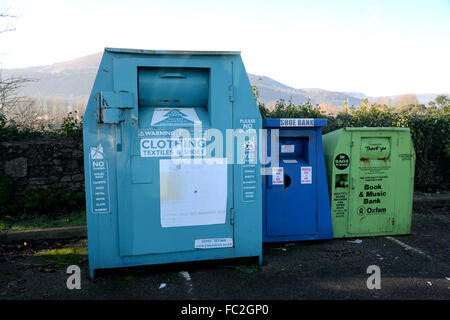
x=63 y=257
x=248 y=269
x=124 y=279
x=27 y=222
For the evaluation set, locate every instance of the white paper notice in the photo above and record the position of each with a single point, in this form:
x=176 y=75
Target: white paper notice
x=306 y=175
x=213 y=243
x=193 y=194
x=287 y=148
x=277 y=176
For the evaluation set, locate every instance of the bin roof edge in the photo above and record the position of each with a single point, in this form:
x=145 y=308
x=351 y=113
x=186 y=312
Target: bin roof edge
x=173 y=52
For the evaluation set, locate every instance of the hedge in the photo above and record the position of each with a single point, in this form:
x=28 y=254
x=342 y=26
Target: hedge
x=430 y=131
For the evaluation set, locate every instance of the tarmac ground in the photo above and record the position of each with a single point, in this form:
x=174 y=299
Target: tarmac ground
x=415 y=266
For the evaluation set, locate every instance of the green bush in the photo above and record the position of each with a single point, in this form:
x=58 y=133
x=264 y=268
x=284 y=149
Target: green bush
x=289 y=110
x=39 y=201
x=70 y=127
x=430 y=131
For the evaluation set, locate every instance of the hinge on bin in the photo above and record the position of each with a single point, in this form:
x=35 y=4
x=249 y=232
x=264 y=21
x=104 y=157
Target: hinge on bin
x=231 y=93
x=232 y=216
x=110 y=103
x=393 y=221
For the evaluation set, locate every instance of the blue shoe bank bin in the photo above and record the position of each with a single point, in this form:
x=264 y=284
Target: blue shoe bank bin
x=295 y=192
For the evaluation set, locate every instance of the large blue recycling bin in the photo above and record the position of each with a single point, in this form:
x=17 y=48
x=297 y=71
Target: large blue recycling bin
x=142 y=206
x=295 y=191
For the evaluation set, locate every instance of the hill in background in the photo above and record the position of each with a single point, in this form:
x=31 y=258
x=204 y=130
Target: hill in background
x=270 y=91
x=72 y=81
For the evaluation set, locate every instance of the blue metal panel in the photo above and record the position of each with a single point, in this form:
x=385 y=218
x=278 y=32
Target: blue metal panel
x=172 y=87
x=298 y=208
x=125 y=182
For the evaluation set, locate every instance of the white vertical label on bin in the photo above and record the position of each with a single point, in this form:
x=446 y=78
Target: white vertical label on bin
x=306 y=175
x=193 y=194
x=249 y=182
x=277 y=176
x=213 y=243
x=99 y=181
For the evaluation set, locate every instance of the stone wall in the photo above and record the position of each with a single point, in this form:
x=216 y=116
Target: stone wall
x=48 y=163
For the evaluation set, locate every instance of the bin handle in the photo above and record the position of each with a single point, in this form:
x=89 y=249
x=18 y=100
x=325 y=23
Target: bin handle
x=119 y=137
x=171 y=75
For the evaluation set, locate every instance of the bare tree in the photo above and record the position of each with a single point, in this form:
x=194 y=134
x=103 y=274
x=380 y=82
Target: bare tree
x=9 y=92
x=26 y=114
x=5 y=15
x=15 y=107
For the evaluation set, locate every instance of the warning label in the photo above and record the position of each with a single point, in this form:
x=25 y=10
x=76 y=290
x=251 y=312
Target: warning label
x=306 y=175
x=249 y=182
x=99 y=181
x=247 y=123
x=340 y=204
x=277 y=176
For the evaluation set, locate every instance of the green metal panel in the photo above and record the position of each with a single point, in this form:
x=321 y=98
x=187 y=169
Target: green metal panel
x=371 y=177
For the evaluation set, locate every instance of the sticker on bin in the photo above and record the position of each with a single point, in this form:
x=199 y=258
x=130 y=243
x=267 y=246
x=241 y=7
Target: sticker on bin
x=277 y=176
x=287 y=148
x=172 y=147
x=174 y=117
x=294 y=122
x=213 y=243
x=306 y=175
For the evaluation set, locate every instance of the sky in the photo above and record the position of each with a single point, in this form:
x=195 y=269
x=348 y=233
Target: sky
x=374 y=47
